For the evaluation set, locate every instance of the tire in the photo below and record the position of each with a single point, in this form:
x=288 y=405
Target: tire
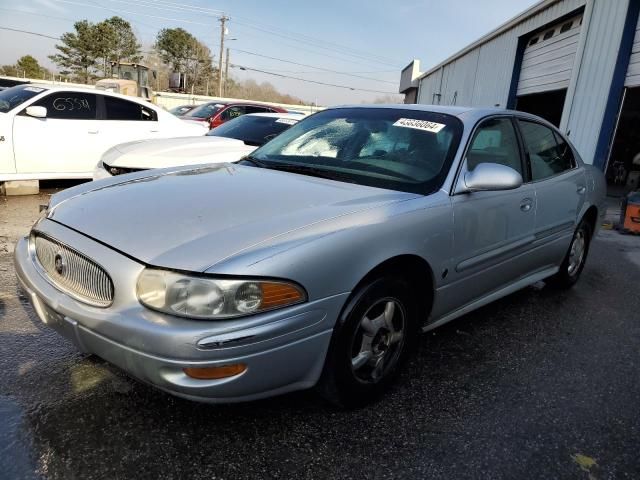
x=374 y=336
x=573 y=262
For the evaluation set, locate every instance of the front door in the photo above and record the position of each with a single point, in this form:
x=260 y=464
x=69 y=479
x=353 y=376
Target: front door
x=493 y=230
x=61 y=145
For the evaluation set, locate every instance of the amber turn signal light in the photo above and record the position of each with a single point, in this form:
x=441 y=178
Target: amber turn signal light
x=214 y=373
x=278 y=295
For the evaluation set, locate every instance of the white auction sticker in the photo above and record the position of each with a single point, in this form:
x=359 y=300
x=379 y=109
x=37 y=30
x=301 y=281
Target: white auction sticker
x=424 y=125
x=34 y=89
x=287 y=121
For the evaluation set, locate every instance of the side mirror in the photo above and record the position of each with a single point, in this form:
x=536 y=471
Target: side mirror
x=491 y=177
x=37 y=112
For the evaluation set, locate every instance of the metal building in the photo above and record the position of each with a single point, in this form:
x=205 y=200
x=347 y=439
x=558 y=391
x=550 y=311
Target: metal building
x=574 y=62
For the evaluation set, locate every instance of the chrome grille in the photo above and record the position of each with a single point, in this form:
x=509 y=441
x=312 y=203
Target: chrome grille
x=73 y=273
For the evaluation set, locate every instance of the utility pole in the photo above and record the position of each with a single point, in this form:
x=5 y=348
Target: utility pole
x=226 y=73
x=223 y=21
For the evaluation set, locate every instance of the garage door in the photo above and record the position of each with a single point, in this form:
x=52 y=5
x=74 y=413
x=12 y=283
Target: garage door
x=633 y=73
x=549 y=57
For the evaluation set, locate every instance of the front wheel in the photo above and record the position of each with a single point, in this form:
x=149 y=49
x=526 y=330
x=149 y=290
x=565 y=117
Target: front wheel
x=574 y=260
x=373 y=338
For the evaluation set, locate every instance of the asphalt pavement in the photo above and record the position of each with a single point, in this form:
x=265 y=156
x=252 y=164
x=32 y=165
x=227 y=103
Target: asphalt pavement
x=539 y=385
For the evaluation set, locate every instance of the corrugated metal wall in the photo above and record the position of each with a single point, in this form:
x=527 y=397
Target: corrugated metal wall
x=482 y=77
x=633 y=74
x=588 y=101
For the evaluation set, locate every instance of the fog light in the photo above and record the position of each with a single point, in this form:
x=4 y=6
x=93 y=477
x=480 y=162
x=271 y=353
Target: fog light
x=213 y=373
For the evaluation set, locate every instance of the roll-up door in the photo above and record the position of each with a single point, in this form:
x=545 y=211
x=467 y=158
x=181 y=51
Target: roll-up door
x=549 y=57
x=633 y=73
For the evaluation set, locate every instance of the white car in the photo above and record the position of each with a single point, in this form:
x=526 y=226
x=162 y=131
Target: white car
x=227 y=143
x=50 y=132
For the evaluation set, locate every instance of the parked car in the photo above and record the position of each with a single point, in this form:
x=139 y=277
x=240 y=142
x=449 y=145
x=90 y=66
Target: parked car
x=215 y=114
x=317 y=260
x=61 y=132
x=181 y=110
x=226 y=143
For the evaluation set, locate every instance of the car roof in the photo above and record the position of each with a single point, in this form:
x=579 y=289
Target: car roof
x=466 y=114
x=293 y=116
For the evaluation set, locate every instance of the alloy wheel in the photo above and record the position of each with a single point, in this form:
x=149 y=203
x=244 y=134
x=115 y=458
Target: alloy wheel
x=378 y=340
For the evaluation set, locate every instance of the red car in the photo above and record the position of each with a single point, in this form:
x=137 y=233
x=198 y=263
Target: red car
x=217 y=113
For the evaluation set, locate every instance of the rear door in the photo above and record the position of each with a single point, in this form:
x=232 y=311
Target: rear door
x=125 y=121
x=560 y=186
x=64 y=143
x=493 y=231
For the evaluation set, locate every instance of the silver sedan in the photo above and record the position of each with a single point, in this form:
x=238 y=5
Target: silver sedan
x=317 y=260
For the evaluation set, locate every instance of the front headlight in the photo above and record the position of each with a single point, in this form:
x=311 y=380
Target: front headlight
x=213 y=298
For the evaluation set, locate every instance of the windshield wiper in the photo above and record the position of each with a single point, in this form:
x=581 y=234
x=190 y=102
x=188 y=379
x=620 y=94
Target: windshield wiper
x=253 y=160
x=305 y=170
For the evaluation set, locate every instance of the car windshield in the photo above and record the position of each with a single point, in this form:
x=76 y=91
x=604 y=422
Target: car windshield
x=392 y=148
x=253 y=129
x=181 y=110
x=205 y=111
x=15 y=96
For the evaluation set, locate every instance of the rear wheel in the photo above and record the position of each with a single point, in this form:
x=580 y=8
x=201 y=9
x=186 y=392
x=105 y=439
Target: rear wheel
x=373 y=338
x=574 y=260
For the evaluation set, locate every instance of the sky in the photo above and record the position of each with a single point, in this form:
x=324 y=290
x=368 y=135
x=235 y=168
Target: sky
x=363 y=43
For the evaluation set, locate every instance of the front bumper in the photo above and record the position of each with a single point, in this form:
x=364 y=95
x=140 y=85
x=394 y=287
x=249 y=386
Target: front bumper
x=284 y=350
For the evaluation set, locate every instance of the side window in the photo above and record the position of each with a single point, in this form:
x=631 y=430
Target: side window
x=119 y=109
x=232 y=112
x=495 y=141
x=252 y=109
x=69 y=105
x=546 y=155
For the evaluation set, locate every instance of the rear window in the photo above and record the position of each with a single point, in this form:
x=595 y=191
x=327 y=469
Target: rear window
x=16 y=96
x=253 y=130
x=119 y=109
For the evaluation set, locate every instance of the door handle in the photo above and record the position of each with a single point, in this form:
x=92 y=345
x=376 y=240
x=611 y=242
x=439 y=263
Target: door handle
x=581 y=189
x=94 y=131
x=526 y=205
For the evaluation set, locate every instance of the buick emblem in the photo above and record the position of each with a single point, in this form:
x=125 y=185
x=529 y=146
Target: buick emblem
x=59 y=264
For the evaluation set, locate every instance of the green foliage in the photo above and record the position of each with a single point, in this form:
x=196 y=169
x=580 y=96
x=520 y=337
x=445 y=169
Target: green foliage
x=118 y=41
x=29 y=67
x=175 y=46
x=186 y=54
x=78 y=53
x=93 y=46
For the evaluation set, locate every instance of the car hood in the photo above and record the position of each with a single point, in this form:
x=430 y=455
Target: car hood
x=191 y=219
x=169 y=152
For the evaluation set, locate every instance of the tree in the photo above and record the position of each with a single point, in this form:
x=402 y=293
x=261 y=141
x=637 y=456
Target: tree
x=78 y=52
x=175 y=46
x=186 y=54
x=121 y=43
x=29 y=67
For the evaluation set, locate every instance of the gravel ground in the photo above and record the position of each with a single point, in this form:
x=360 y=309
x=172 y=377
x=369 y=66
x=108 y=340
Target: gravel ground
x=537 y=385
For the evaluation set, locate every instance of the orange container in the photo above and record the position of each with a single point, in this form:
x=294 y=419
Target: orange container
x=632 y=214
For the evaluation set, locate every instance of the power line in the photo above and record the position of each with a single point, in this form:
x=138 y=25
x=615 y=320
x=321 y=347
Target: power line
x=29 y=33
x=182 y=8
x=132 y=13
x=302 y=49
x=187 y=7
x=346 y=87
x=38 y=14
x=310 y=66
x=315 y=44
